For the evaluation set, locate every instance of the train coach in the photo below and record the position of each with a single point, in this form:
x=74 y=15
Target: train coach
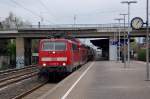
x=61 y=55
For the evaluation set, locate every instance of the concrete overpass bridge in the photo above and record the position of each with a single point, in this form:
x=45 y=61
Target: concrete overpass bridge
x=25 y=34
x=78 y=30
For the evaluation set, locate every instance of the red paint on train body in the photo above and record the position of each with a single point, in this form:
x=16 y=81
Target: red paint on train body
x=61 y=55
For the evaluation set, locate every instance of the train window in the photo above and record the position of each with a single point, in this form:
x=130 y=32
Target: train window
x=74 y=47
x=48 y=46
x=60 y=46
x=51 y=46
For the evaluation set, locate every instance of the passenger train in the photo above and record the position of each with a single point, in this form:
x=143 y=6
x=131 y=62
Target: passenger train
x=62 y=55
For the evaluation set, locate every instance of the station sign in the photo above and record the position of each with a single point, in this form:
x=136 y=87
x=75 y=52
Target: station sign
x=117 y=43
x=35 y=54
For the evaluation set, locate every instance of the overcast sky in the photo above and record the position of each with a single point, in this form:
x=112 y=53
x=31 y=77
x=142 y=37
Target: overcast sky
x=63 y=11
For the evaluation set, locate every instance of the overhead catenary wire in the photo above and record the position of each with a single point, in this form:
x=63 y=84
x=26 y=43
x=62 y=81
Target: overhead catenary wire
x=24 y=8
x=27 y=9
x=92 y=14
x=45 y=7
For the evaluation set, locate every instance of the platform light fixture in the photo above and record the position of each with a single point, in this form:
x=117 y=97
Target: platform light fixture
x=128 y=3
x=147 y=40
x=124 y=50
x=119 y=19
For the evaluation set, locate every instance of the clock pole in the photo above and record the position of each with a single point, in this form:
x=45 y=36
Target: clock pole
x=147 y=42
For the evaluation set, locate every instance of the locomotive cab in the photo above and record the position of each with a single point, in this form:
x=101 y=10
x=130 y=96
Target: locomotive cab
x=55 y=55
x=61 y=55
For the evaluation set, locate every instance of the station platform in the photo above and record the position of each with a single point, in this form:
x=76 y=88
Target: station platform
x=104 y=80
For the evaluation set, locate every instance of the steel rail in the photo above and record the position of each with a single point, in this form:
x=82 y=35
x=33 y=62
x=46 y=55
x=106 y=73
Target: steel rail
x=29 y=91
x=14 y=80
x=14 y=70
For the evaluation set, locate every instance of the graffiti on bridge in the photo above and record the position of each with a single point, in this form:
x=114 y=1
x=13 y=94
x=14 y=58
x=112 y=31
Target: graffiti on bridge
x=19 y=61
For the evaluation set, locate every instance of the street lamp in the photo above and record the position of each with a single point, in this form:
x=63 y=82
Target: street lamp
x=119 y=19
x=124 y=54
x=75 y=18
x=128 y=2
x=147 y=41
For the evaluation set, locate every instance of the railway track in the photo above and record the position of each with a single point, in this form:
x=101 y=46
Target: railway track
x=30 y=90
x=21 y=84
x=21 y=88
x=16 y=79
x=13 y=71
x=13 y=76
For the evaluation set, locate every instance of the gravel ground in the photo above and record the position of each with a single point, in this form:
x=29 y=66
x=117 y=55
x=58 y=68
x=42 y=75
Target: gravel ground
x=18 y=88
x=17 y=73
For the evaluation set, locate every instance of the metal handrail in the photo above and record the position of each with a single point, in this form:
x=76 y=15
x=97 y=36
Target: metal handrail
x=65 y=26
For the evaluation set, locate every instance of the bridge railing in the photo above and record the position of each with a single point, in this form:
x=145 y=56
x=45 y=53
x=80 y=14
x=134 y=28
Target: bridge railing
x=65 y=26
x=74 y=26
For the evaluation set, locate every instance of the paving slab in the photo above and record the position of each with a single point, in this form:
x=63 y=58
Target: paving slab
x=105 y=80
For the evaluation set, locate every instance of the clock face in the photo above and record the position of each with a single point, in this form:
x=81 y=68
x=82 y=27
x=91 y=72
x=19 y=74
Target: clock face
x=136 y=23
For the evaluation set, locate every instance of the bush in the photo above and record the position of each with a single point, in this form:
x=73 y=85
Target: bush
x=142 y=55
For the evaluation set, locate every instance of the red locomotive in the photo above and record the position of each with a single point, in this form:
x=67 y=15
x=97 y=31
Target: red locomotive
x=61 y=55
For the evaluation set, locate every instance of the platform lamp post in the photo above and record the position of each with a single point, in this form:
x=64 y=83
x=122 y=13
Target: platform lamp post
x=74 y=19
x=147 y=40
x=114 y=42
x=74 y=24
x=129 y=3
x=41 y=20
x=119 y=19
x=124 y=42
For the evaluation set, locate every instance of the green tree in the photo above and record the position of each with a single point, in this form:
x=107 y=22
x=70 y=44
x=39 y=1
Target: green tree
x=11 y=51
x=142 y=55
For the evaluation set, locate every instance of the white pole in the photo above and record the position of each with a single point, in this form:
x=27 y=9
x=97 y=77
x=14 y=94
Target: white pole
x=128 y=2
x=128 y=33
x=119 y=40
x=124 y=53
x=147 y=41
x=119 y=19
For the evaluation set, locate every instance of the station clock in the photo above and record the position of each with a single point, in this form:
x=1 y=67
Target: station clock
x=137 y=23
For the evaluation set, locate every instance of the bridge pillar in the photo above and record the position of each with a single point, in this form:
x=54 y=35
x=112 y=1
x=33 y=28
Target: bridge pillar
x=112 y=50
x=20 y=50
x=28 y=54
x=23 y=52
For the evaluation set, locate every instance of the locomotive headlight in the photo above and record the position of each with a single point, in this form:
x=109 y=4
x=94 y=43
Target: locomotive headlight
x=44 y=64
x=64 y=64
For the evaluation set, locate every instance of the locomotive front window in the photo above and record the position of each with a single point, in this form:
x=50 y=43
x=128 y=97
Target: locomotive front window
x=60 y=46
x=51 y=46
x=48 y=46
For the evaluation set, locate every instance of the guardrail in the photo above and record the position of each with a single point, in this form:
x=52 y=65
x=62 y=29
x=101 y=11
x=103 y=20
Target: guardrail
x=65 y=26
